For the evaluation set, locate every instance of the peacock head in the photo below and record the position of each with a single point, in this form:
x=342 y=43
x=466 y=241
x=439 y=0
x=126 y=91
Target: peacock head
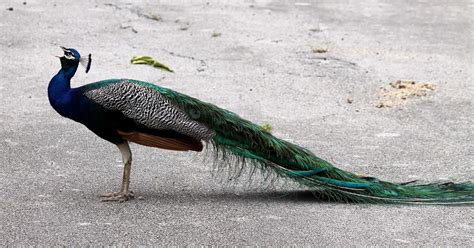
x=72 y=58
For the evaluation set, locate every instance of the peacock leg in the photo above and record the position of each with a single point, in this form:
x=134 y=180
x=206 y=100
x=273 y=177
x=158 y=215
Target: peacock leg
x=124 y=194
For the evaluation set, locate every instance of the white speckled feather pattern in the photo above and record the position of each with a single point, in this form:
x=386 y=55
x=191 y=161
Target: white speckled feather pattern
x=149 y=108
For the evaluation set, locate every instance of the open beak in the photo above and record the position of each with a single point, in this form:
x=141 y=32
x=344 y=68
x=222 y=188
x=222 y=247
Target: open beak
x=64 y=50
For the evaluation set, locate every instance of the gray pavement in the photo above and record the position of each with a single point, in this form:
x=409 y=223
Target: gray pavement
x=254 y=58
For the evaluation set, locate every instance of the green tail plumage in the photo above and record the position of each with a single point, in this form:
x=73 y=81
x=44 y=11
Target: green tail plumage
x=251 y=144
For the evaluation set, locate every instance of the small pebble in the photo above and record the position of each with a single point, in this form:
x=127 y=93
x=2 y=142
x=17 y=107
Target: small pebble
x=10 y=9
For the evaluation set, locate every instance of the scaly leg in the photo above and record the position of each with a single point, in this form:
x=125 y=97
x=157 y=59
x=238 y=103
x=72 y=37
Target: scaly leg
x=124 y=194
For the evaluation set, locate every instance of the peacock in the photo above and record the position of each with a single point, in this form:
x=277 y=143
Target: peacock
x=125 y=110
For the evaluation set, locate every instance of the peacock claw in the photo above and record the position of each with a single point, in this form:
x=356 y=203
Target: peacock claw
x=117 y=196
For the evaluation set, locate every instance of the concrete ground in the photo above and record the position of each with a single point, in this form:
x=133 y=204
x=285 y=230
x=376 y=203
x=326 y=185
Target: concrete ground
x=254 y=58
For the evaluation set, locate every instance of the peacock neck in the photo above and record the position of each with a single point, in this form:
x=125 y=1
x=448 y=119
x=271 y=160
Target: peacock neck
x=60 y=87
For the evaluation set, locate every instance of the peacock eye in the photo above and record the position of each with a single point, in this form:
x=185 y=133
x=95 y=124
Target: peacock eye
x=69 y=55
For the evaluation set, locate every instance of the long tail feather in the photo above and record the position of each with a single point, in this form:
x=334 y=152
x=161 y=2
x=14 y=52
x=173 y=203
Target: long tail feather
x=249 y=142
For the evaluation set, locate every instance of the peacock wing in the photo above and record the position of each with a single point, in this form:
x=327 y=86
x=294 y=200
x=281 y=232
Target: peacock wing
x=149 y=108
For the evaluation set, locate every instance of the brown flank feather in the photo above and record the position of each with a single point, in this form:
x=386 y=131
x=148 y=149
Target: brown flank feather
x=183 y=143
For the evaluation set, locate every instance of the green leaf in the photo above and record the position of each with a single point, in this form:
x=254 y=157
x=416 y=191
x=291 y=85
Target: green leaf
x=149 y=61
x=267 y=127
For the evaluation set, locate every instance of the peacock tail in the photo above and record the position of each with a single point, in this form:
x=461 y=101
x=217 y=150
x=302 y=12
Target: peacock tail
x=250 y=145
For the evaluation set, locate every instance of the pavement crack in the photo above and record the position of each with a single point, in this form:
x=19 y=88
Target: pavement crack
x=135 y=11
x=128 y=27
x=115 y=6
x=203 y=63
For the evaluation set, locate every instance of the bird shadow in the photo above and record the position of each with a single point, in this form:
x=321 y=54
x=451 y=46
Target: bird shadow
x=295 y=196
x=286 y=196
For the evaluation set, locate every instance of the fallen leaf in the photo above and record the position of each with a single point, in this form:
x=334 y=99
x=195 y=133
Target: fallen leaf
x=149 y=61
x=267 y=127
x=320 y=50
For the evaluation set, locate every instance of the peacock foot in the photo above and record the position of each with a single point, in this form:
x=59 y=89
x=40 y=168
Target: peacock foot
x=117 y=196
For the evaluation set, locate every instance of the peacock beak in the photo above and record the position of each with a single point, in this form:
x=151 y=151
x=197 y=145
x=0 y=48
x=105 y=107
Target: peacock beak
x=64 y=50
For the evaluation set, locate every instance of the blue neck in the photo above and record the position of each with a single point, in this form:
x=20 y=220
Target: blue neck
x=59 y=87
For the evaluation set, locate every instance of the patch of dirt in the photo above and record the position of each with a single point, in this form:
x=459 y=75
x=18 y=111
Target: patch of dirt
x=401 y=91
